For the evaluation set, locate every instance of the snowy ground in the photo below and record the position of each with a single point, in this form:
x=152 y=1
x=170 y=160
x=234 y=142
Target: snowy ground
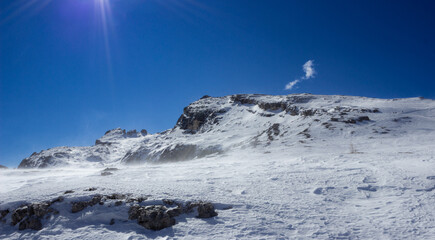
x=306 y=191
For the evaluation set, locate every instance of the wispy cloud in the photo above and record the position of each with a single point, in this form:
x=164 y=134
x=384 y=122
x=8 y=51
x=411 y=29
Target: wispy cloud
x=290 y=85
x=309 y=71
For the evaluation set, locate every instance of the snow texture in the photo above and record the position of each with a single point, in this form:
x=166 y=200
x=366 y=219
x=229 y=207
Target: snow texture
x=275 y=167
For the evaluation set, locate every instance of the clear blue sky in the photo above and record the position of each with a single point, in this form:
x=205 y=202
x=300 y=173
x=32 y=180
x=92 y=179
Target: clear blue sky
x=72 y=69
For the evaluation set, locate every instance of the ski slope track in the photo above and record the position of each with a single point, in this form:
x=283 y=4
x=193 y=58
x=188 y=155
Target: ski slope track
x=298 y=166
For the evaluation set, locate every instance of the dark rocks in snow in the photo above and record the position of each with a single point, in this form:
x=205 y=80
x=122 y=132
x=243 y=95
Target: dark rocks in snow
x=29 y=216
x=305 y=133
x=106 y=173
x=68 y=192
x=143 y=132
x=58 y=199
x=193 y=119
x=350 y=120
x=31 y=222
x=99 y=142
x=116 y=196
x=273 y=131
x=137 y=156
x=132 y=133
x=153 y=217
x=180 y=152
x=45 y=161
x=3 y=213
x=206 y=210
x=3 y=167
x=90 y=189
x=272 y=106
x=79 y=206
x=156 y=217
x=243 y=99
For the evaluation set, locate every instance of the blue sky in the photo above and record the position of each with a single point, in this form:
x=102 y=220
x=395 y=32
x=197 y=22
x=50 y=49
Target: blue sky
x=72 y=69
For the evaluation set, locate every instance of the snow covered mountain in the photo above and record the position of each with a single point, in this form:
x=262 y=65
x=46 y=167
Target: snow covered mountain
x=261 y=167
x=220 y=125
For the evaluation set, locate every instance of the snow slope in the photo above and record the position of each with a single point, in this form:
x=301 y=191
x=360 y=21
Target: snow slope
x=213 y=126
x=285 y=174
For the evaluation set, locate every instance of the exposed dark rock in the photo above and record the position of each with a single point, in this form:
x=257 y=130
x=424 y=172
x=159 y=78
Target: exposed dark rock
x=305 y=133
x=79 y=206
x=99 y=142
x=174 y=212
x=143 y=132
x=193 y=119
x=137 y=156
x=31 y=222
x=91 y=189
x=292 y=110
x=106 y=173
x=3 y=213
x=39 y=209
x=205 y=96
x=116 y=196
x=153 y=217
x=3 y=167
x=45 y=161
x=363 y=118
x=350 y=120
x=186 y=152
x=243 y=99
x=273 y=131
x=307 y=112
x=112 y=221
x=206 y=210
x=272 y=106
x=68 y=192
x=132 y=133
x=29 y=216
x=118 y=203
x=19 y=214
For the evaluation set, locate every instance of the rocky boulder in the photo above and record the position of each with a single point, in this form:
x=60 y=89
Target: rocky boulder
x=153 y=217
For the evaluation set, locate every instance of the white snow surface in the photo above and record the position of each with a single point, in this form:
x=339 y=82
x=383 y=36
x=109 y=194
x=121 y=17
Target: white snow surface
x=318 y=178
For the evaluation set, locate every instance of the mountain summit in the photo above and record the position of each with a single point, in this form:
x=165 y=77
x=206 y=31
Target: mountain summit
x=253 y=122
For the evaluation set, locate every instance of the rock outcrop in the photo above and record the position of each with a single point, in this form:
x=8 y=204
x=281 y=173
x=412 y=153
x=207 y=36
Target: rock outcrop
x=149 y=215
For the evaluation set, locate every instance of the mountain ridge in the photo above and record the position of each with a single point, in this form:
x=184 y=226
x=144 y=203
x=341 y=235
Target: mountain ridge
x=215 y=125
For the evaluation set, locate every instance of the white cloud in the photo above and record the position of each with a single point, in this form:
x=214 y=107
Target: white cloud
x=290 y=85
x=308 y=69
x=309 y=73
